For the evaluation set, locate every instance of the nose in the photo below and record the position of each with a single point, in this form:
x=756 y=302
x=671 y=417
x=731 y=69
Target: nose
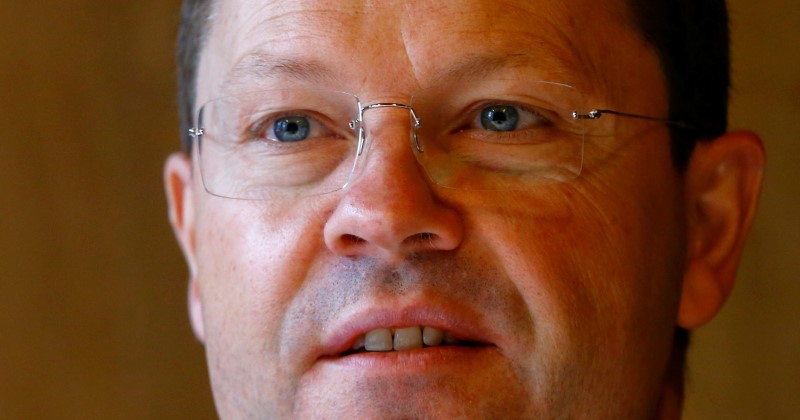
x=390 y=211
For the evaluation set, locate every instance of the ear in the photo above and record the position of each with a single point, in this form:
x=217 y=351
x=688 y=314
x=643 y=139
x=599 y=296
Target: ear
x=178 y=184
x=723 y=183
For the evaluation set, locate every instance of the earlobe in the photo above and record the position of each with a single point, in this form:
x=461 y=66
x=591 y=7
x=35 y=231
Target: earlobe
x=723 y=183
x=178 y=185
x=196 y=310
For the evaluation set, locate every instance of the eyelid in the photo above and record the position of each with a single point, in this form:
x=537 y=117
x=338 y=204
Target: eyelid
x=258 y=129
x=473 y=113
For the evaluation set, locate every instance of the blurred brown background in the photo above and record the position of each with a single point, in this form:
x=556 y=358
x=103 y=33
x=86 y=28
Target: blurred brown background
x=92 y=315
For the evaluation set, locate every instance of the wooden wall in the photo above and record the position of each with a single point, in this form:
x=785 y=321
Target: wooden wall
x=92 y=286
x=746 y=363
x=92 y=309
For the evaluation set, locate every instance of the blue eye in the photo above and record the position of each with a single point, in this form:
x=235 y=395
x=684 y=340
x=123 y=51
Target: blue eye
x=500 y=118
x=291 y=128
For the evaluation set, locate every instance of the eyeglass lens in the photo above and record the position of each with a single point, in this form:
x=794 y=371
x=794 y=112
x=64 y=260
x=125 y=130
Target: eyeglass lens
x=490 y=135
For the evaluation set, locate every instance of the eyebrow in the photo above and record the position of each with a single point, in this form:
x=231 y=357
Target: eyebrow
x=547 y=66
x=259 y=66
x=479 y=67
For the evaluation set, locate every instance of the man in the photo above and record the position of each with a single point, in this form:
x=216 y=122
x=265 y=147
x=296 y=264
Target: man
x=480 y=209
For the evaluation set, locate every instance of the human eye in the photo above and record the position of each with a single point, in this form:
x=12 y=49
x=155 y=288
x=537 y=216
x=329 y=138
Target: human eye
x=506 y=117
x=289 y=127
x=506 y=122
x=510 y=117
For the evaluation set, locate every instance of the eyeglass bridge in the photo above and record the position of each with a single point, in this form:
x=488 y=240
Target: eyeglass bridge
x=358 y=122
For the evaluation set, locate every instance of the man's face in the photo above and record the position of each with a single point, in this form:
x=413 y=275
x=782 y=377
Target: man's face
x=563 y=297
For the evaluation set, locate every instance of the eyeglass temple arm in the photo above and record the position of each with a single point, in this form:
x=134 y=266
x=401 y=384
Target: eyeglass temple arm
x=597 y=113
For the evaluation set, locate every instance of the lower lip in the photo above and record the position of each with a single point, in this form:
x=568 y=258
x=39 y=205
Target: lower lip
x=411 y=361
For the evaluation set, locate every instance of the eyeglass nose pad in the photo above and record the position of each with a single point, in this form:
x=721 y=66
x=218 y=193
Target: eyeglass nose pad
x=416 y=141
x=355 y=124
x=415 y=131
x=360 y=157
x=363 y=146
x=361 y=142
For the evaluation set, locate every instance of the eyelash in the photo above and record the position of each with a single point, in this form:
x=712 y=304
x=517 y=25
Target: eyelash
x=257 y=131
x=474 y=114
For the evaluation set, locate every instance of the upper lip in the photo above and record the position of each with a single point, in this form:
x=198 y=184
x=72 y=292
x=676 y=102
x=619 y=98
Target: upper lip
x=463 y=323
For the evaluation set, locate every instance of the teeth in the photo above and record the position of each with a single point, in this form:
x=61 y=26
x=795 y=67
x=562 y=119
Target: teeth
x=378 y=340
x=416 y=337
x=359 y=344
x=448 y=339
x=432 y=336
x=407 y=338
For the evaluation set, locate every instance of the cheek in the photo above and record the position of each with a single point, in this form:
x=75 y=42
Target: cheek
x=253 y=256
x=251 y=262
x=598 y=270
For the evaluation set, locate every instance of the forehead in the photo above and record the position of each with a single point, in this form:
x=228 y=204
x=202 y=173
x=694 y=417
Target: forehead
x=395 y=46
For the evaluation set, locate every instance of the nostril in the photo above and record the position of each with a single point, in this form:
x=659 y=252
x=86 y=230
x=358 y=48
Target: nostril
x=422 y=238
x=349 y=239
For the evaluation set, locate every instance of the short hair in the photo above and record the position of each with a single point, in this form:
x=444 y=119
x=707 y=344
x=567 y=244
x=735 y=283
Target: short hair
x=690 y=37
x=692 y=41
x=192 y=33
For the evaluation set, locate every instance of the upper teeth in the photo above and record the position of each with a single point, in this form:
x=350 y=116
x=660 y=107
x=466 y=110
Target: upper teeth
x=386 y=339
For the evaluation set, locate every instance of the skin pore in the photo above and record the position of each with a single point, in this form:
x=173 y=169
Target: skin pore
x=573 y=290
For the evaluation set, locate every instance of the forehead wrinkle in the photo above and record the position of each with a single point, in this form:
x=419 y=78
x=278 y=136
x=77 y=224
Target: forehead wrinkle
x=484 y=66
x=255 y=67
x=286 y=17
x=277 y=28
x=551 y=55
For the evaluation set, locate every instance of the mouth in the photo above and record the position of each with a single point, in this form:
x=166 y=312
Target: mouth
x=417 y=330
x=406 y=338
